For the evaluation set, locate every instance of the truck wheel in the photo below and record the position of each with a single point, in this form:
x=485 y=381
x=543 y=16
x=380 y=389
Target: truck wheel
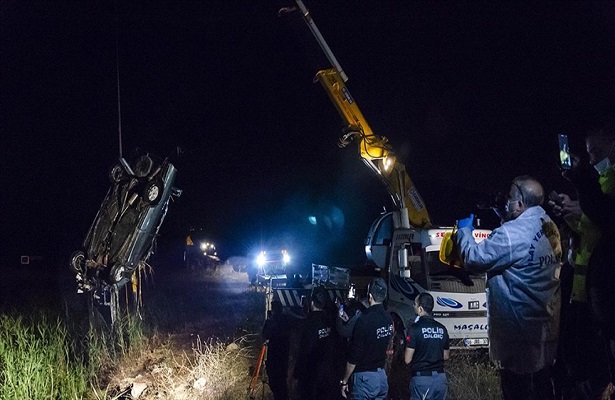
x=395 y=366
x=398 y=342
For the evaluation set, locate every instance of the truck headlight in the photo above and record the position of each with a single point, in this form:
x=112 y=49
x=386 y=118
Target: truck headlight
x=286 y=258
x=261 y=259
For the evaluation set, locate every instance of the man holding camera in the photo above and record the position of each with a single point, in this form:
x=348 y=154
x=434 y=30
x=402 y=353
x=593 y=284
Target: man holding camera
x=522 y=261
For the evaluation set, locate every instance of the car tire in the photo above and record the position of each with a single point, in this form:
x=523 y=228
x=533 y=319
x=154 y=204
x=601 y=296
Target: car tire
x=143 y=166
x=152 y=192
x=116 y=274
x=77 y=262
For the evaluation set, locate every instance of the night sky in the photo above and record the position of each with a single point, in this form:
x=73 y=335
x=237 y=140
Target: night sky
x=470 y=94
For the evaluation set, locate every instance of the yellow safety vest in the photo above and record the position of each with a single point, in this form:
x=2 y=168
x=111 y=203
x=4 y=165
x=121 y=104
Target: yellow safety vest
x=589 y=235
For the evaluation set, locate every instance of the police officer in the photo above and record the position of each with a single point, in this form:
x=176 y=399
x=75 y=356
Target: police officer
x=314 y=350
x=426 y=350
x=368 y=345
x=277 y=332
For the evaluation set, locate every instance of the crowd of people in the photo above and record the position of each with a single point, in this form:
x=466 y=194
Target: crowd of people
x=550 y=270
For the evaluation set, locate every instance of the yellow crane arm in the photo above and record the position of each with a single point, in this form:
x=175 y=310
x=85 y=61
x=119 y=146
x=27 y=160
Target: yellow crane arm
x=375 y=151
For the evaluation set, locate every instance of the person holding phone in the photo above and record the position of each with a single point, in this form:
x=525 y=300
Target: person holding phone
x=368 y=346
x=347 y=317
x=593 y=284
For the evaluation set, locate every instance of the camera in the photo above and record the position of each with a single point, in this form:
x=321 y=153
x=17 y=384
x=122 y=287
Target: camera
x=554 y=197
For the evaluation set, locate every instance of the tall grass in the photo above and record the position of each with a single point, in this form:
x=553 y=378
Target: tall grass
x=39 y=360
x=471 y=376
x=44 y=357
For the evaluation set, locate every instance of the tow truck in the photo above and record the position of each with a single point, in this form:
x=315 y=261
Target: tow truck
x=402 y=245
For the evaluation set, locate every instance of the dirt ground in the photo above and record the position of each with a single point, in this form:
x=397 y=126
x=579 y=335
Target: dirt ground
x=192 y=309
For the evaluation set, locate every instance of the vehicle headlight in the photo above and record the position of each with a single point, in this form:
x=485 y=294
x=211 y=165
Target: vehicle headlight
x=207 y=246
x=261 y=259
x=286 y=258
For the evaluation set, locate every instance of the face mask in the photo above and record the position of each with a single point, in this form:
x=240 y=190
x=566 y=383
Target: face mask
x=507 y=206
x=508 y=215
x=603 y=165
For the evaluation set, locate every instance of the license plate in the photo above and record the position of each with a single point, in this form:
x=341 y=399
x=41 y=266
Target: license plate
x=476 y=342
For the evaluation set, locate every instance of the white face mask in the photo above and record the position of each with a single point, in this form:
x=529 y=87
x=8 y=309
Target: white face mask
x=603 y=165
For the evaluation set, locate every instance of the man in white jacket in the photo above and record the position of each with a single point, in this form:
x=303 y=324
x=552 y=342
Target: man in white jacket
x=522 y=261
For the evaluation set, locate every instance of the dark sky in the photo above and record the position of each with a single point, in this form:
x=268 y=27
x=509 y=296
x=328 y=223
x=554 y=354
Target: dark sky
x=470 y=94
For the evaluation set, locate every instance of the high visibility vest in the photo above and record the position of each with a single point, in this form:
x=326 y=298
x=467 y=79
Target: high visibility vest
x=589 y=235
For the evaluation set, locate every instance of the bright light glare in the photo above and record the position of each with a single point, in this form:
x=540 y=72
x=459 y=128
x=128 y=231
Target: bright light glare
x=312 y=219
x=261 y=259
x=207 y=245
x=286 y=258
x=389 y=160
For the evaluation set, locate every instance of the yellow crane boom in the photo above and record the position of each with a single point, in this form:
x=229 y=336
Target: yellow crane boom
x=374 y=150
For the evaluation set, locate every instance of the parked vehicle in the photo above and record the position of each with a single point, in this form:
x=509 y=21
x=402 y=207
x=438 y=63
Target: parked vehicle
x=270 y=262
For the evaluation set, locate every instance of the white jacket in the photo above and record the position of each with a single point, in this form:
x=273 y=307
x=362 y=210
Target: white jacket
x=523 y=290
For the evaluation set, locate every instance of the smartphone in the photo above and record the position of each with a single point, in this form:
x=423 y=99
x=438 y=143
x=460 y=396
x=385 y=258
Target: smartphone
x=565 y=162
x=341 y=309
x=352 y=291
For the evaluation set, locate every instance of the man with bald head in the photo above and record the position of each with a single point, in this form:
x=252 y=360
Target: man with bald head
x=522 y=261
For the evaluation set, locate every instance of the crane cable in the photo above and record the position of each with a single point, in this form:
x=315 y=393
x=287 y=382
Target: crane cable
x=117 y=72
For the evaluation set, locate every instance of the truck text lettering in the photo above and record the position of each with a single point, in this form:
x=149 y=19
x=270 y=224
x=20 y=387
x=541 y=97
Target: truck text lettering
x=475 y=327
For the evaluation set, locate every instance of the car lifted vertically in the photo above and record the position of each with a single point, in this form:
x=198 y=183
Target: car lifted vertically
x=123 y=234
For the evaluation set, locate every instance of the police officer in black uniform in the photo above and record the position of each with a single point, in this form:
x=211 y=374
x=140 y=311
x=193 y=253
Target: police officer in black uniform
x=313 y=357
x=426 y=350
x=368 y=345
x=277 y=332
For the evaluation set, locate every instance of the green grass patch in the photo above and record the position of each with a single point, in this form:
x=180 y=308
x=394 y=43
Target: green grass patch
x=39 y=359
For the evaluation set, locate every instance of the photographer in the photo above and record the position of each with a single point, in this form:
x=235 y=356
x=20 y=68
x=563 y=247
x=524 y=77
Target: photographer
x=593 y=287
x=522 y=261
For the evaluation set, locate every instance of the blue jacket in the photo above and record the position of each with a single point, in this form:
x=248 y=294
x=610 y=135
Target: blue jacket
x=523 y=289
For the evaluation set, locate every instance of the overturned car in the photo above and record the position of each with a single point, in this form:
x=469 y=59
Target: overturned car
x=124 y=231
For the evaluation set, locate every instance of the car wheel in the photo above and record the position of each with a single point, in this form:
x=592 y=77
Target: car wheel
x=143 y=166
x=117 y=173
x=152 y=192
x=117 y=273
x=77 y=262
